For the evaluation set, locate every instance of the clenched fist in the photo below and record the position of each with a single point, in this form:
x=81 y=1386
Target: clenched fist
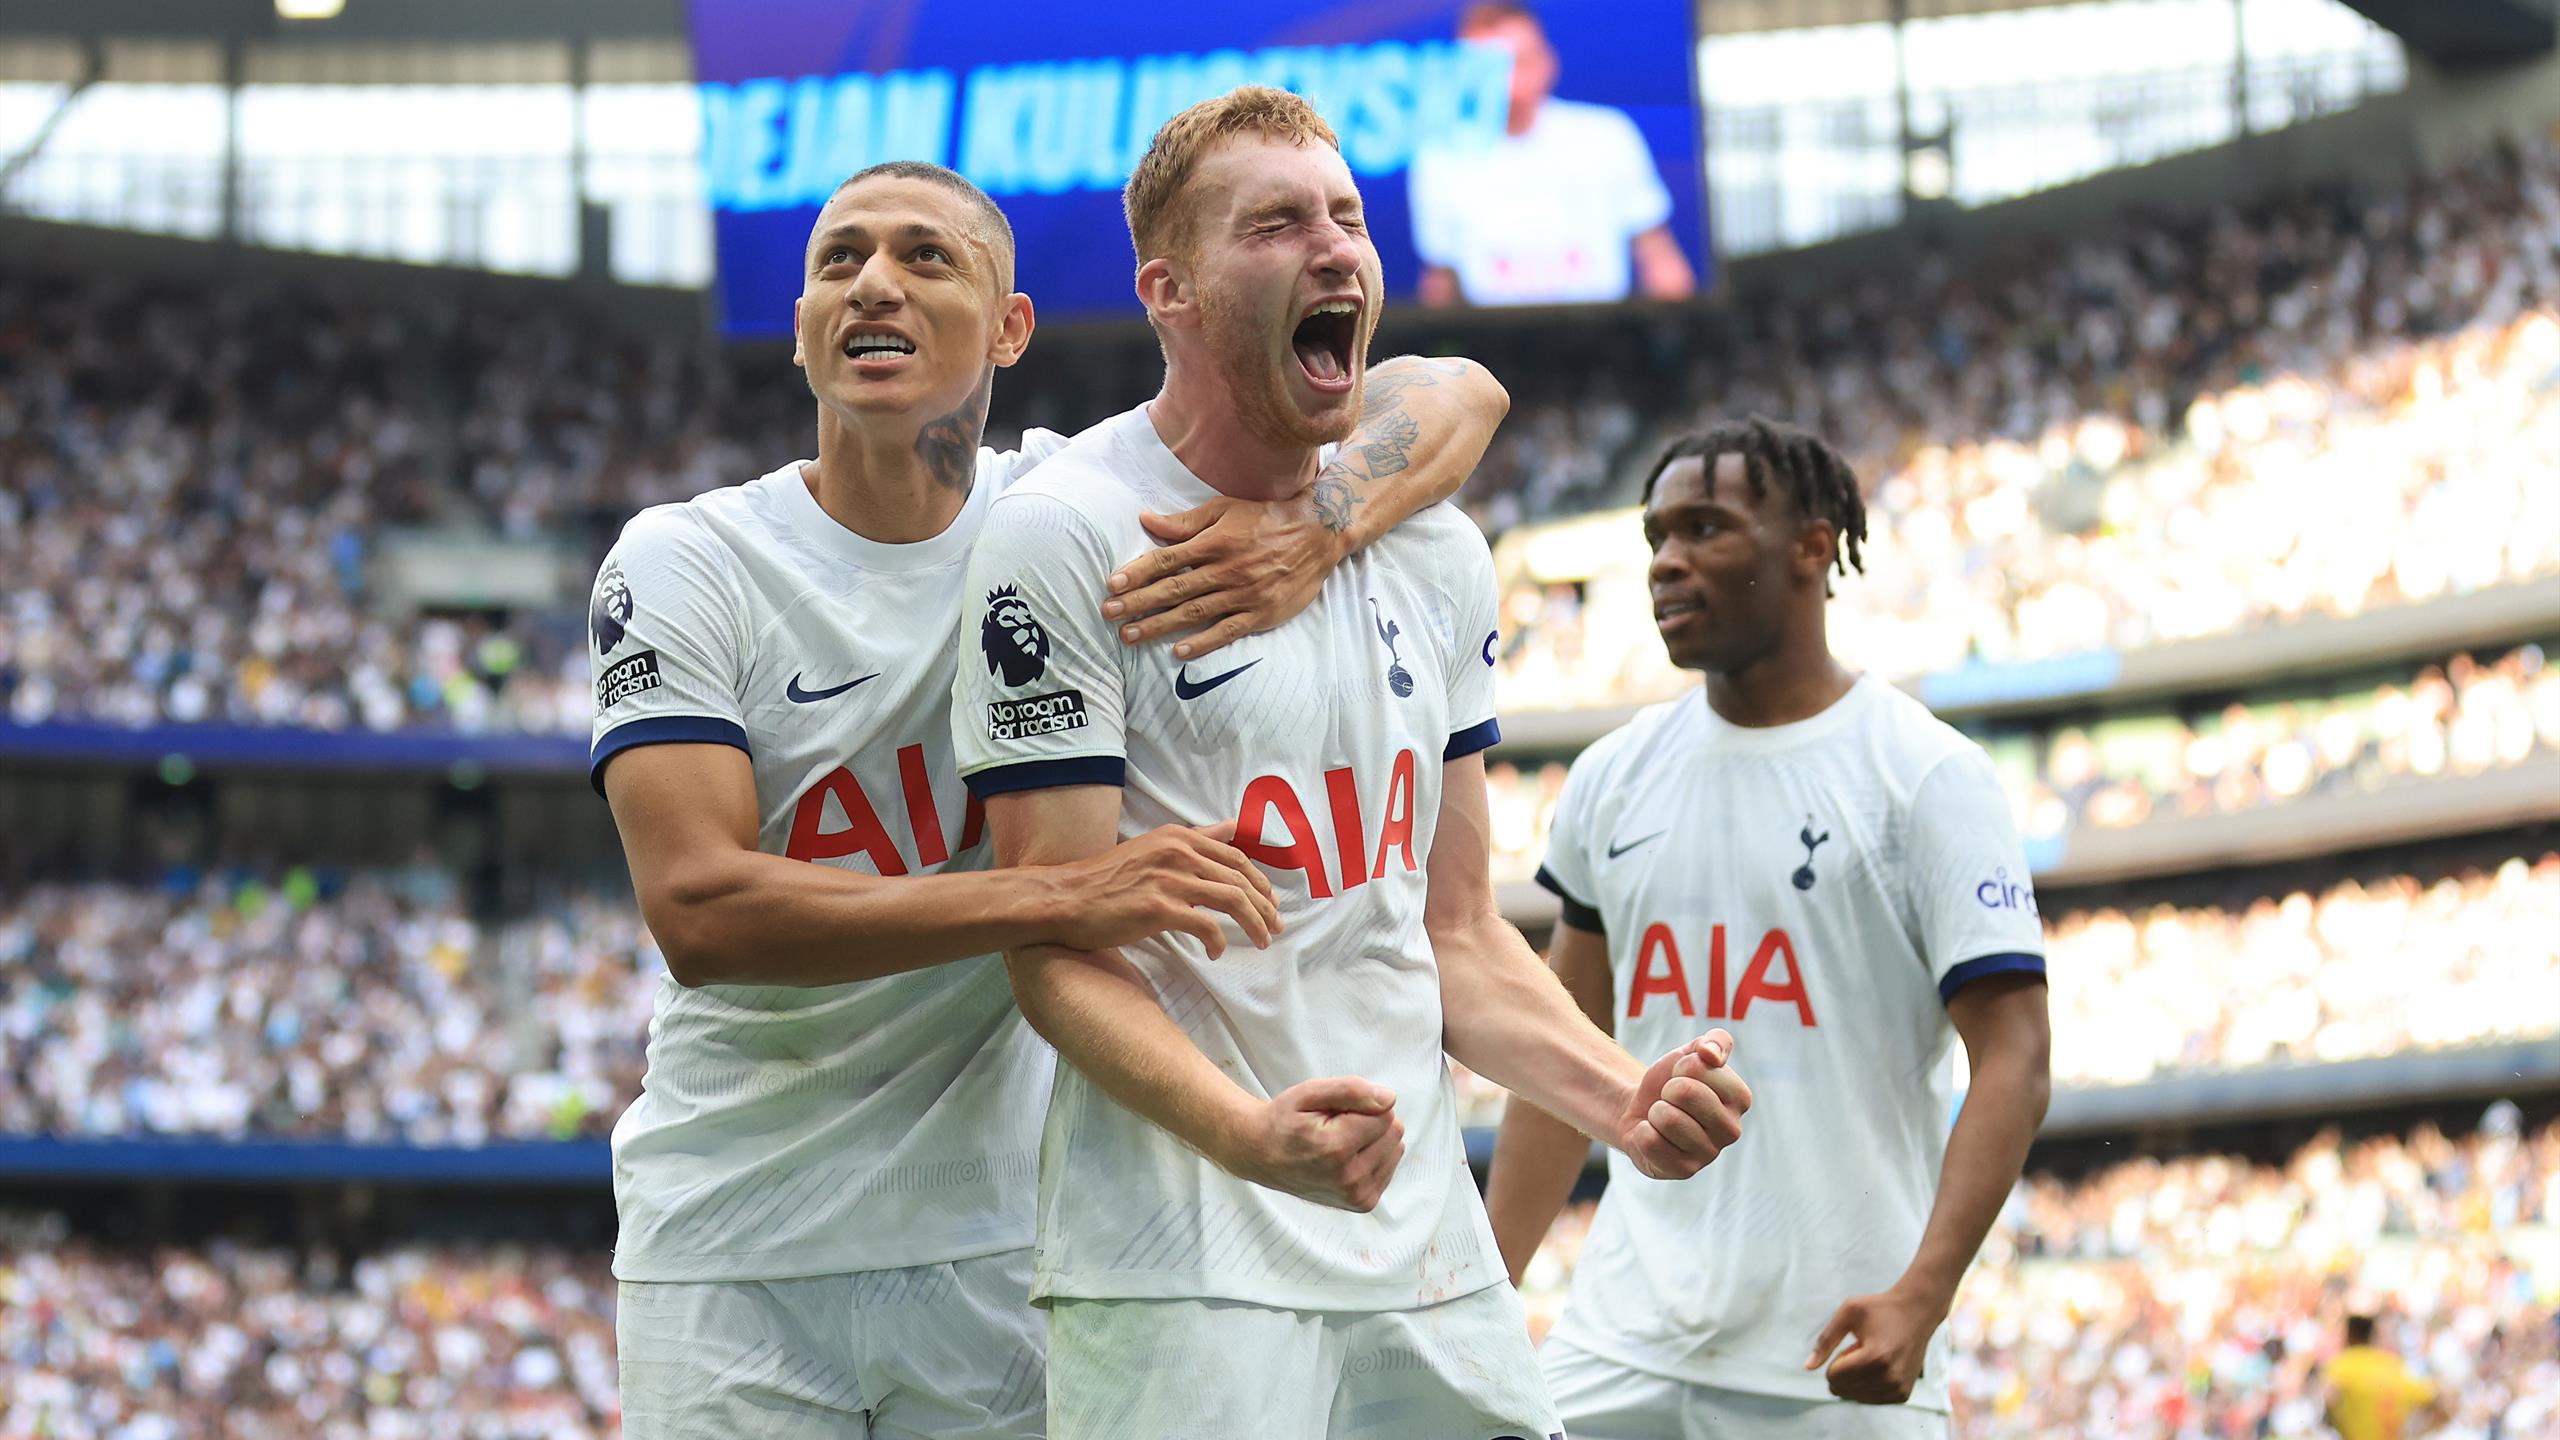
x=1686 y=1110
x=1335 y=1141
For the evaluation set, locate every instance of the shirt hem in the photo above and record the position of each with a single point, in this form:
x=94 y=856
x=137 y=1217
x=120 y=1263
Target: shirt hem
x=793 y=1264
x=1365 y=1299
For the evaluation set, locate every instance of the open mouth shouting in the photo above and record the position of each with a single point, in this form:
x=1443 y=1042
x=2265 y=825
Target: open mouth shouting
x=1327 y=336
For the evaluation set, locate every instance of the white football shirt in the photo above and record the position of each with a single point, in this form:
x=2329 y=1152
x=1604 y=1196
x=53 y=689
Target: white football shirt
x=785 y=1131
x=1325 y=737
x=1819 y=889
x=1543 y=217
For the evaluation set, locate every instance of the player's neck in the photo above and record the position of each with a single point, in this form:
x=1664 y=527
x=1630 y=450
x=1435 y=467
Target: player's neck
x=1797 y=680
x=1201 y=430
x=892 y=485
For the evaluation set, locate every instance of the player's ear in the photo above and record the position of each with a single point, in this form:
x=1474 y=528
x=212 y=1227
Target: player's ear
x=1165 y=290
x=1817 y=541
x=799 y=351
x=1013 y=329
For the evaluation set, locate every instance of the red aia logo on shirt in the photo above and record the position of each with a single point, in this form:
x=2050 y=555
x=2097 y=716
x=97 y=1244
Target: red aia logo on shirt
x=863 y=831
x=1273 y=828
x=1774 y=975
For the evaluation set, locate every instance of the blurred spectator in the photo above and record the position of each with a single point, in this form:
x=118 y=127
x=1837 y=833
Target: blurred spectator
x=2198 y=1296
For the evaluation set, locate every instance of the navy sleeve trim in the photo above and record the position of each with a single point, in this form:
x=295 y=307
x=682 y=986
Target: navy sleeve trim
x=1049 y=775
x=1473 y=739
x=2012 y=962
x=663 y=730
x=1576 y=914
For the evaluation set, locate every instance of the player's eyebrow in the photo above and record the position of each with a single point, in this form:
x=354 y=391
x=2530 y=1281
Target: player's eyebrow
x=911 y=231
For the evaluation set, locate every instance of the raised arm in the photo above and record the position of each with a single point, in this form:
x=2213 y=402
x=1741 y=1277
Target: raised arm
x=1335 y=1141
x=724 y=912
x=1536 y=1157
x=1232 y=568
x=1505 y=1017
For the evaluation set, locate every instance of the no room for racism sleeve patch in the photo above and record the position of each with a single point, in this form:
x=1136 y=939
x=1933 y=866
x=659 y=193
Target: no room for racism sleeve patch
x=1050 y=714
x=627 y=677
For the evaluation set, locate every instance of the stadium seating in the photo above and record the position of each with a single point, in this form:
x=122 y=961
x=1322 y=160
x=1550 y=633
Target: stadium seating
x=2194 y=1296
x=2036 y=439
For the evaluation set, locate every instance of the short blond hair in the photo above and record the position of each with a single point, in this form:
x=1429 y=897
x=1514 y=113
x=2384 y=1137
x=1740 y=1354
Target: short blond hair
x=1159 y=222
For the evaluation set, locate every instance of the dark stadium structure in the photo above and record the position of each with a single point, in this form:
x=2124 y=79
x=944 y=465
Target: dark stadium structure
x=2218 y=496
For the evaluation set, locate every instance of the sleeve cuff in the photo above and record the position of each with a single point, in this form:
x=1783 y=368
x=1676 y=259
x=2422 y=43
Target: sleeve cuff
x=2013 y=962
x=1473 y=739
x=663 y=730
x=1576 y=914
x=1048 y=775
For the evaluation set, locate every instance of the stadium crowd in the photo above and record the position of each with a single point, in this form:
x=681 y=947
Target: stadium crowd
x=2186 y=1297
x=2464 y=717
x=2052 y=442
x=374 y=1007
x=2198 y=1296
x=238 y=1342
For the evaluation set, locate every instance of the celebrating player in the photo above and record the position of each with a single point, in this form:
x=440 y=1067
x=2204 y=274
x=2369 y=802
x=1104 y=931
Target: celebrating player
x=1812 y=859
x=1233 y=1238
x=825 y=1186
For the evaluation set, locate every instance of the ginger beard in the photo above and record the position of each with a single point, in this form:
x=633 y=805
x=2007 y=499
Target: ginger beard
x=1240 y=346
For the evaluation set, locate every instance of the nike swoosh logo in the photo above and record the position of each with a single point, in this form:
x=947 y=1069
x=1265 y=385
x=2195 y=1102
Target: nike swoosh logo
x=811 y=697
x=1617 y=850
x=1189 y=689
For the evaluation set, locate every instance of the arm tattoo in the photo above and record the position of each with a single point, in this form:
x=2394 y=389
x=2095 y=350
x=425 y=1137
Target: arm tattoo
x=949 y=446
x=1381 y=446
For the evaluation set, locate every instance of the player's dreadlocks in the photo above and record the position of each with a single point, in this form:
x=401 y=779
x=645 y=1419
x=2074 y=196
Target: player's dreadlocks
x=1817 y=479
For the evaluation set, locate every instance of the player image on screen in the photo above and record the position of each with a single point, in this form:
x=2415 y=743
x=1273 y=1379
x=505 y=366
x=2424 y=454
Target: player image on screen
x=825 y=1187
x=1809 y=857
x=1566 y=206
x=1255 y=1211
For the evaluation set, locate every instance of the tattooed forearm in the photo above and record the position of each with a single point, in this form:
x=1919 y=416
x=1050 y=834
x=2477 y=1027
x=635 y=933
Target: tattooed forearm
x=949 y=446
x=1382 y=446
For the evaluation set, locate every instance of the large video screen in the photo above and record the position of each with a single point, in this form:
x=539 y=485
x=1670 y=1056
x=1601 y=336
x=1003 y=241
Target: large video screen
x=1509 y=154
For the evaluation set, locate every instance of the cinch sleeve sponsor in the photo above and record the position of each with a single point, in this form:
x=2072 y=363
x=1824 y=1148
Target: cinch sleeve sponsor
x=1038 y=700
x=1567 y=870
x=665 y=636
x=1974 y=898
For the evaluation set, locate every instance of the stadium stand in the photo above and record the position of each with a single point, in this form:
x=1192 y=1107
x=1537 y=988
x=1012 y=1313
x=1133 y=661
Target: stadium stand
x=2038 y=441
x=2190 y=1296
x=2229 y=526
x=373 y=1007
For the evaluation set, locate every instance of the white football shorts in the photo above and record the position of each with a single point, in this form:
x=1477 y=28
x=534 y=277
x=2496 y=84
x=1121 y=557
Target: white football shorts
x=951 y=1351
x=1604 y=1400
x=1215 y=1369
